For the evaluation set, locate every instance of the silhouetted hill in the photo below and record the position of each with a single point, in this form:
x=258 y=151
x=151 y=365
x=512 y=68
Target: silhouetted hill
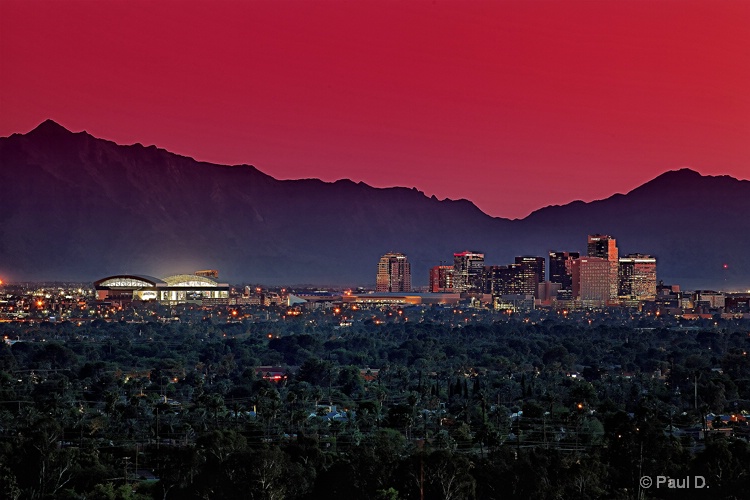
x=695 y=224
x=76 y=207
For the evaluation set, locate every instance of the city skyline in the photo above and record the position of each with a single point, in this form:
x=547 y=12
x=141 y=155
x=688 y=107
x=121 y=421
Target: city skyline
x=63 y=184
x=581 y=99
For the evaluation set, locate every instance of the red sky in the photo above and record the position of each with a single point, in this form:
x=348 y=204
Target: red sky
x=513 y=105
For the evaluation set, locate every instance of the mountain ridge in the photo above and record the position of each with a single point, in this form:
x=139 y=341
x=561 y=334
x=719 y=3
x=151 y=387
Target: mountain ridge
x=50 y=127
x=113 y=208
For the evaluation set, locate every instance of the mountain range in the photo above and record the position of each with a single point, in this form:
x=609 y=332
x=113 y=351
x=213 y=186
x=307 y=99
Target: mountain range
x=77 y=208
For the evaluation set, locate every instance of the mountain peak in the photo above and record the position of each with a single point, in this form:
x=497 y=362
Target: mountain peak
x=671 y=179
x=50 y=127
x=681 y=173
x=688 y=179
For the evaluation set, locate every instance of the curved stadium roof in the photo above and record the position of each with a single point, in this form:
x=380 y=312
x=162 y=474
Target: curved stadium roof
x=129 y=281
x=189 y=280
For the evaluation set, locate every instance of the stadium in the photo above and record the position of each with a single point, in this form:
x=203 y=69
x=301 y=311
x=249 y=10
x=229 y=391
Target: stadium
x=176 y=289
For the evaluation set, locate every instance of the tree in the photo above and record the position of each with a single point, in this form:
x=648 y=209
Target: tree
x=447 y=476
x=220 y=444
x=268 y=479
x=8 y=484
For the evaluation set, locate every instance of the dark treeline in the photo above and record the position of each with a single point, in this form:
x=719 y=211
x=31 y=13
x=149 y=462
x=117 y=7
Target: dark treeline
x=403 y=410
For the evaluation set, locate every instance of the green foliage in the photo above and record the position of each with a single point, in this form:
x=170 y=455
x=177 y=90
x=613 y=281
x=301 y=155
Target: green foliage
x=95 y=409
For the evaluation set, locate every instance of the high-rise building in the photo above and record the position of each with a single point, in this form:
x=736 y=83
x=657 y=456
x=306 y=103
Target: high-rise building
x=637 y=277
x=496 y=280
x=591 y=281
x=394 y=273
x=560 y=268
x=468 y=269
x=441 y=279
x=602 y=245
x=513 y=279
x=605 y=247
x=531 y=274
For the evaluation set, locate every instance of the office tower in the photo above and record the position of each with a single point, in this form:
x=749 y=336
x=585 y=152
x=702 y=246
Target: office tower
x=559 y=268
x=468 y=269
x=441 y=279
x=605 y=247
x=637 y=276
x=602 y=245
x=496 y=280
x=394 y=273
x=531 y=274
x=591 y=281
x=513 y=279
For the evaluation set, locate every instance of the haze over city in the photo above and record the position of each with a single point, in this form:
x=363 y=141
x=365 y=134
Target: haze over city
x=576 y=100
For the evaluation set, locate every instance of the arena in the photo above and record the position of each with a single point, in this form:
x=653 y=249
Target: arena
x=176 y=289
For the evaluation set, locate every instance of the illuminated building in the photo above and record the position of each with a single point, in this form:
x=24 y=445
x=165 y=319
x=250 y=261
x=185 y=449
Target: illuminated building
x=738 y=303
x=591 y=281
x=602 y=245
x=389 y=298
x=497 y=280
x=559 y=268
x=272 y=373
x=441 y=279
x=504 y=280
x=175 y=289
x=394 y=273
x=468 y=268
x=513 y=302
x=709 y=299
x=605 y=247
x=521 y=278
x=531 y=273
x=637 y=277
